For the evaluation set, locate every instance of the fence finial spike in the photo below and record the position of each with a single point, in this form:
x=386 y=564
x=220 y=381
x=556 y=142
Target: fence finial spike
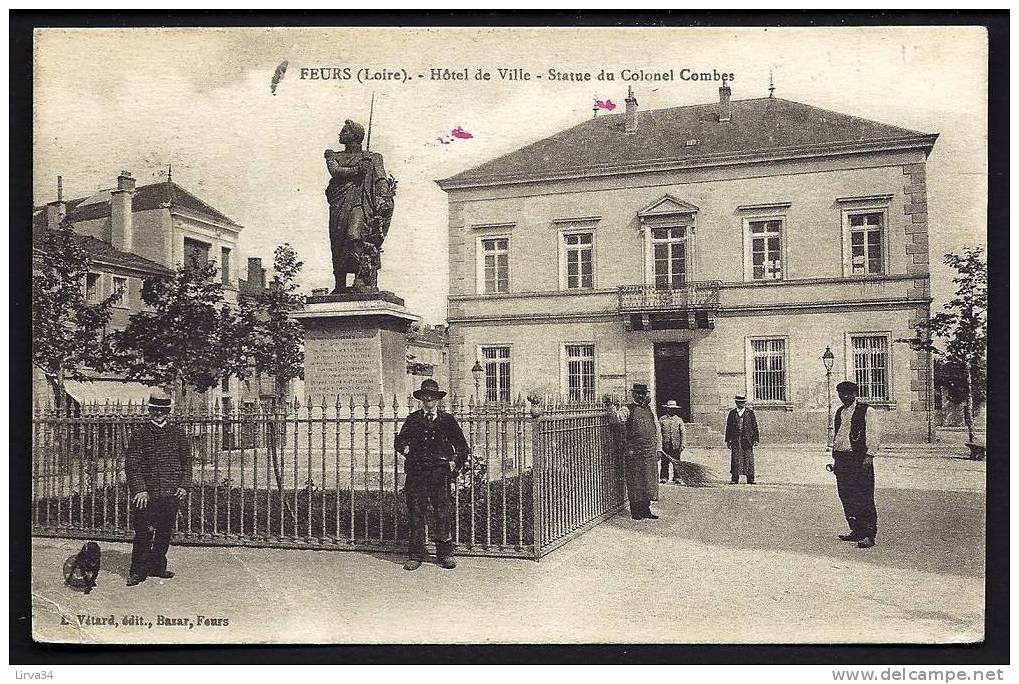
x=396 y=403
x=338 y=402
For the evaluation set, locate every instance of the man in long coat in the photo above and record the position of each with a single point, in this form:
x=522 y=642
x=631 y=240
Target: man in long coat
x=741 y=436
x=158 y=469
x=642 y=440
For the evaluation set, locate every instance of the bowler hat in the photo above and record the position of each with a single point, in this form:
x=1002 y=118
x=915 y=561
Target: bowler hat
x=847 y=386
x=429 y=390
x=639 y=387
x=159 y=401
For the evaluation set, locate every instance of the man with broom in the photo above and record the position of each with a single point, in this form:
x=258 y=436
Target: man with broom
x=673 y=437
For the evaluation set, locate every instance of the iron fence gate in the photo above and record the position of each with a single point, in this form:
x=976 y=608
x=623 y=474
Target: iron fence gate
x=325 y=476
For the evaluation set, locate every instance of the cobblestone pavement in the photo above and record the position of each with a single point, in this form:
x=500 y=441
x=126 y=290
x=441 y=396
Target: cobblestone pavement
x=729 y=564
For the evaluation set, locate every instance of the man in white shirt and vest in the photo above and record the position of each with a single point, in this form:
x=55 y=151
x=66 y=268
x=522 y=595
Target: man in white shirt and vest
x=857 y=439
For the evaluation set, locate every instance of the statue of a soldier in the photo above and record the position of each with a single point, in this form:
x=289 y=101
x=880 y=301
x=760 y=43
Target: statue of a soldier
x=360 y=196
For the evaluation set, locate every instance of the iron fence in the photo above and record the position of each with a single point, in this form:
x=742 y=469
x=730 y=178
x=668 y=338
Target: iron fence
x=325 y=475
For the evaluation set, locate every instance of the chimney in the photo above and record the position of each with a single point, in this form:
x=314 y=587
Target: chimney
x=122 y=213
x=256 y=274
x=724 y=105
x=56 y=211
x=631 y=112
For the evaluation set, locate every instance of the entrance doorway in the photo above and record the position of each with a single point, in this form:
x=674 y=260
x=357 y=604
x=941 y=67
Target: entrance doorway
x=672 y=375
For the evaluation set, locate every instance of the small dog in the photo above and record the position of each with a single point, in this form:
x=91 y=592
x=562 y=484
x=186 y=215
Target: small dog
x=82 y=569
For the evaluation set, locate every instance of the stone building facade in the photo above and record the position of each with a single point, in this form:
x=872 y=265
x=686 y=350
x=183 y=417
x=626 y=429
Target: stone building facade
x=133 y=232
x=707 y=250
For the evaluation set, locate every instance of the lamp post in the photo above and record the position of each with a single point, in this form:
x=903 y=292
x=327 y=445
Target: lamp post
x=829 y=360
x=478 y=372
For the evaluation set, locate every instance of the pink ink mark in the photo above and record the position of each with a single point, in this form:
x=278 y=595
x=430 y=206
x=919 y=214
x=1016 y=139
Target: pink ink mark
x=607 y=105
x=461 y=134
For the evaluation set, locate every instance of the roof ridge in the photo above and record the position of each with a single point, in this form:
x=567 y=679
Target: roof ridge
x=686 y=132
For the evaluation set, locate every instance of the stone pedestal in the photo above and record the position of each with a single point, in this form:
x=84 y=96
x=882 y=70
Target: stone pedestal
x=355 y=345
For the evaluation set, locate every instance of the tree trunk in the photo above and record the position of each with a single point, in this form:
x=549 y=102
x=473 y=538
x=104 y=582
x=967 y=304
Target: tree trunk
x=967 y=410
x=58 y=399
x=277 y=434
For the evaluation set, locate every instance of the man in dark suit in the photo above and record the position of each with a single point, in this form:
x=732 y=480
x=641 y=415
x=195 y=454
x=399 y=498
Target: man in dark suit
x=158 y=469
x=741 y=436
x=435 y=451
x=857 y=439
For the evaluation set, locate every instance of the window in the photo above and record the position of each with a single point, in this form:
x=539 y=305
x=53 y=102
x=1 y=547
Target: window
x=870 y=366
x=866 y=243
x=119 y=291
x=766 y=249
x=580 y=372
x=92 y=287
x=224 y=265
x=224 y=383
x=578 y=251
x=495 y=264
x=497 y=373
x=196 y=253
x=769 y=370
x=669 y=251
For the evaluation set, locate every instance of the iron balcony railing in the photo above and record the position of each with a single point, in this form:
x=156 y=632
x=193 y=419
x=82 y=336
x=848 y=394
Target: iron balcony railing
x=325 y=475
x=693 y=295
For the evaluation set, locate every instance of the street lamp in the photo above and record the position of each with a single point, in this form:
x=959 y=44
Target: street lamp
x=829 y=360
x=478 y=372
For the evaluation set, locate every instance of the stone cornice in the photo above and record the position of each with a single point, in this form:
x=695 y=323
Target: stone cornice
x=727 y=312
x=207 y=220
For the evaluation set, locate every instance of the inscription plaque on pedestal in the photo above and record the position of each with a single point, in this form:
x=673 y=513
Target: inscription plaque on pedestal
x=354 y=348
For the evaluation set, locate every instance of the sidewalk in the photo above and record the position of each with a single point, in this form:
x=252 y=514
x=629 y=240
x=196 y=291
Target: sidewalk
x=725 y=564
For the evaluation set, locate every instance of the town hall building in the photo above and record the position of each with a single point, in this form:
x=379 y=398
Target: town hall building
x=706 y=250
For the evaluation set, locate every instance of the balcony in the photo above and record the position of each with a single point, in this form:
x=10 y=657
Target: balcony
x=648 y=307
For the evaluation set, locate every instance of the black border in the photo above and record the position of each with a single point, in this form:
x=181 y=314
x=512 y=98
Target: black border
x=993 y=651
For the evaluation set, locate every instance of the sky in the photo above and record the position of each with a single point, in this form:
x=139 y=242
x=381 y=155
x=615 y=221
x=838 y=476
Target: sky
x=111 y=99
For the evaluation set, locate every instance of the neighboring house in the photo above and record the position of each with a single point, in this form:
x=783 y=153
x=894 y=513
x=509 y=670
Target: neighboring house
x=155 y=227
x=707 y=250
x=113 y=272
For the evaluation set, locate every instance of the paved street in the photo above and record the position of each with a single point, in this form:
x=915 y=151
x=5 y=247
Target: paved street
x=725 y=563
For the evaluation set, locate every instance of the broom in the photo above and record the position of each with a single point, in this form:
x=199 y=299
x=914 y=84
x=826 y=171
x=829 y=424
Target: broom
x=692 y=474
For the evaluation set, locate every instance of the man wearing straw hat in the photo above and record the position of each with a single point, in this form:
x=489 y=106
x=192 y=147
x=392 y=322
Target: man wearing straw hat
x=158 y=469
x=435 y=451
x=673 y=439
x=741 y=436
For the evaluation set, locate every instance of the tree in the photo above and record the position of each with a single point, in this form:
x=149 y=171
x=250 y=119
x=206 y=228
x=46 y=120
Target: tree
x=961 y=327
x=68 y=333
x=276 y=338
x=189 y=339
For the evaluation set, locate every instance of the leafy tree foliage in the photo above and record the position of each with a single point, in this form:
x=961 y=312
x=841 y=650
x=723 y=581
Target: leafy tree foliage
x=276 y=338
x=68 y=332
x=190 y=337
x=961 y=329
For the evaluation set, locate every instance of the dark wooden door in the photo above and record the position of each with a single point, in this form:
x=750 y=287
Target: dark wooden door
x=672 y=376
